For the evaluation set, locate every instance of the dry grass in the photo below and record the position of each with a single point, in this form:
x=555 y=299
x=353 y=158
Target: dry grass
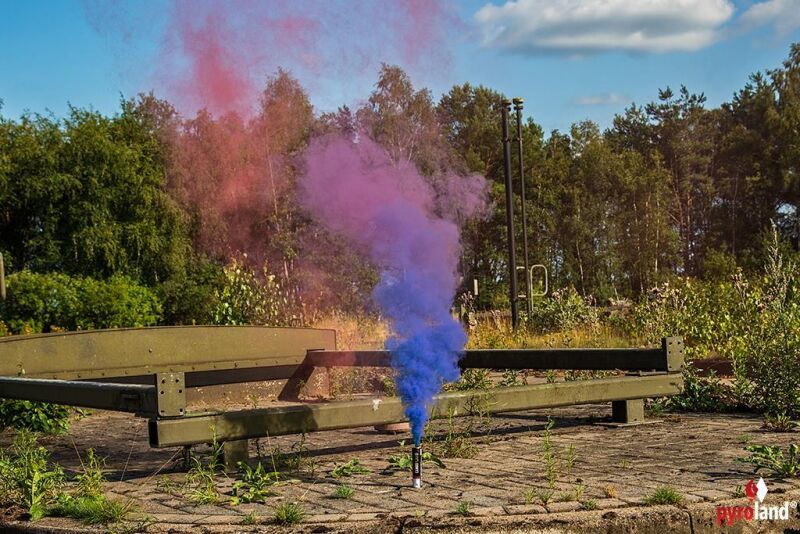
x=488 y=334
x=355 y=332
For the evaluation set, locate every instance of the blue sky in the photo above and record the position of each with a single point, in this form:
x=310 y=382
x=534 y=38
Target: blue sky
x=570 y=59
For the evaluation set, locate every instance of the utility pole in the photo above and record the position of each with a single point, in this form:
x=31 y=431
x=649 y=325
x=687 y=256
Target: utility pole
x=2 y=279
x=512 y=256
x=518 y=108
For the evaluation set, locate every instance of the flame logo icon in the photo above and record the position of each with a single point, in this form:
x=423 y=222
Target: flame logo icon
x=751 y=490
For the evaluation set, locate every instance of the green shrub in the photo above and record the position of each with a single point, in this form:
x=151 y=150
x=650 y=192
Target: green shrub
x=246 y=298
x=564 y=310
x=766 y=355
x=34 y=416
x=471 y=379
x=50 y=302
x=192 y=299
x=45 y=302
x=701 y=393
x=752 y=320
x=703 y=313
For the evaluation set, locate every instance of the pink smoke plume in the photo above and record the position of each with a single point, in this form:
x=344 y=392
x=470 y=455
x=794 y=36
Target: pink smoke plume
x=388 y=210
x=217 y=55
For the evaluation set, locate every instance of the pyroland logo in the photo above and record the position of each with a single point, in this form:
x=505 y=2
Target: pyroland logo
x=755 y=491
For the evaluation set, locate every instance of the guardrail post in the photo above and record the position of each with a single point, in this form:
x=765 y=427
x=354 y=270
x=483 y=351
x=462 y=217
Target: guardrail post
x=627 y=411
x=234 y=452
x=171 y=394
x=676 y=353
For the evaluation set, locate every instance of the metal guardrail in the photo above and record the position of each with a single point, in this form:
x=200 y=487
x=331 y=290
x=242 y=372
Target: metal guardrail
x=132 y=398
x=298 y=419
x=56 y=367
x=142 y=352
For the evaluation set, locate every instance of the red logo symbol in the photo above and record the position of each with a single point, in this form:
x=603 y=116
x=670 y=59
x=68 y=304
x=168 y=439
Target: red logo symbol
x=751 y=490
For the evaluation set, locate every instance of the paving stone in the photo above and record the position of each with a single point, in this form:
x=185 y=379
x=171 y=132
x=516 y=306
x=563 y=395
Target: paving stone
x=522 y=509
x=324 y=518
x=487 y=511
x=362 y=517
x=696 y=454
x=603 y=504
x=177 y=518
x=713 y=495
x=563 y=506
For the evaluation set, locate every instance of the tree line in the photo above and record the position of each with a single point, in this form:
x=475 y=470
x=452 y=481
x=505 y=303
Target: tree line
x=671 y=188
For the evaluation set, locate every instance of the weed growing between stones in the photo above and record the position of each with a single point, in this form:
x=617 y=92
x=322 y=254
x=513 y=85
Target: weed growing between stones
x=255 y=484
x=574 y=495
x=774 y=460
x=251 y=519
x=779 y=423
x=343 y=491
x=289 y=513
x=402 y=462
x=353 y=467
x=91 y=510
x=27 y=478
x=549 y=455
x=463 y=509
x=201 y=478
x=294 y=460
x=528 y=495
x=87 y=503
x=664 y=495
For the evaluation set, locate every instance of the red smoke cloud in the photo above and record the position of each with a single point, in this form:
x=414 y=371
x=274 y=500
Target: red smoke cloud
x=217 y=55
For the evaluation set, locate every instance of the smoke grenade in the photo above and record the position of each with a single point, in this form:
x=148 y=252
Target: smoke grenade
x=416 y=466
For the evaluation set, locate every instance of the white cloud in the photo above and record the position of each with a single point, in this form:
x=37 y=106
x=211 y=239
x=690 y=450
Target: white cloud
x=605 y=99
x=783 y=15
x=581 y=27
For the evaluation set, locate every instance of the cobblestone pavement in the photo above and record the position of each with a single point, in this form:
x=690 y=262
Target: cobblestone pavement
x=613 y=470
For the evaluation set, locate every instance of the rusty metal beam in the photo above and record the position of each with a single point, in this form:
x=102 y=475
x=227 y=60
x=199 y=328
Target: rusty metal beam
x=566 y=359
x=654 y=359
x=296 y=419
x=247 y=371
x=129 y=352
x=131 y=398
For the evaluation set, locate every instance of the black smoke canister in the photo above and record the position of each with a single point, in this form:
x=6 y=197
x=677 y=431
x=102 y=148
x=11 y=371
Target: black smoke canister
x=416 y=466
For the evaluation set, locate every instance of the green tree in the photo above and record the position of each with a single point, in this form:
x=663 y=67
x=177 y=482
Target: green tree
x=86 y=195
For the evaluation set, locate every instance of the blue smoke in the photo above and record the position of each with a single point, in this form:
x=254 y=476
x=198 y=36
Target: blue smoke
x=426 y=347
